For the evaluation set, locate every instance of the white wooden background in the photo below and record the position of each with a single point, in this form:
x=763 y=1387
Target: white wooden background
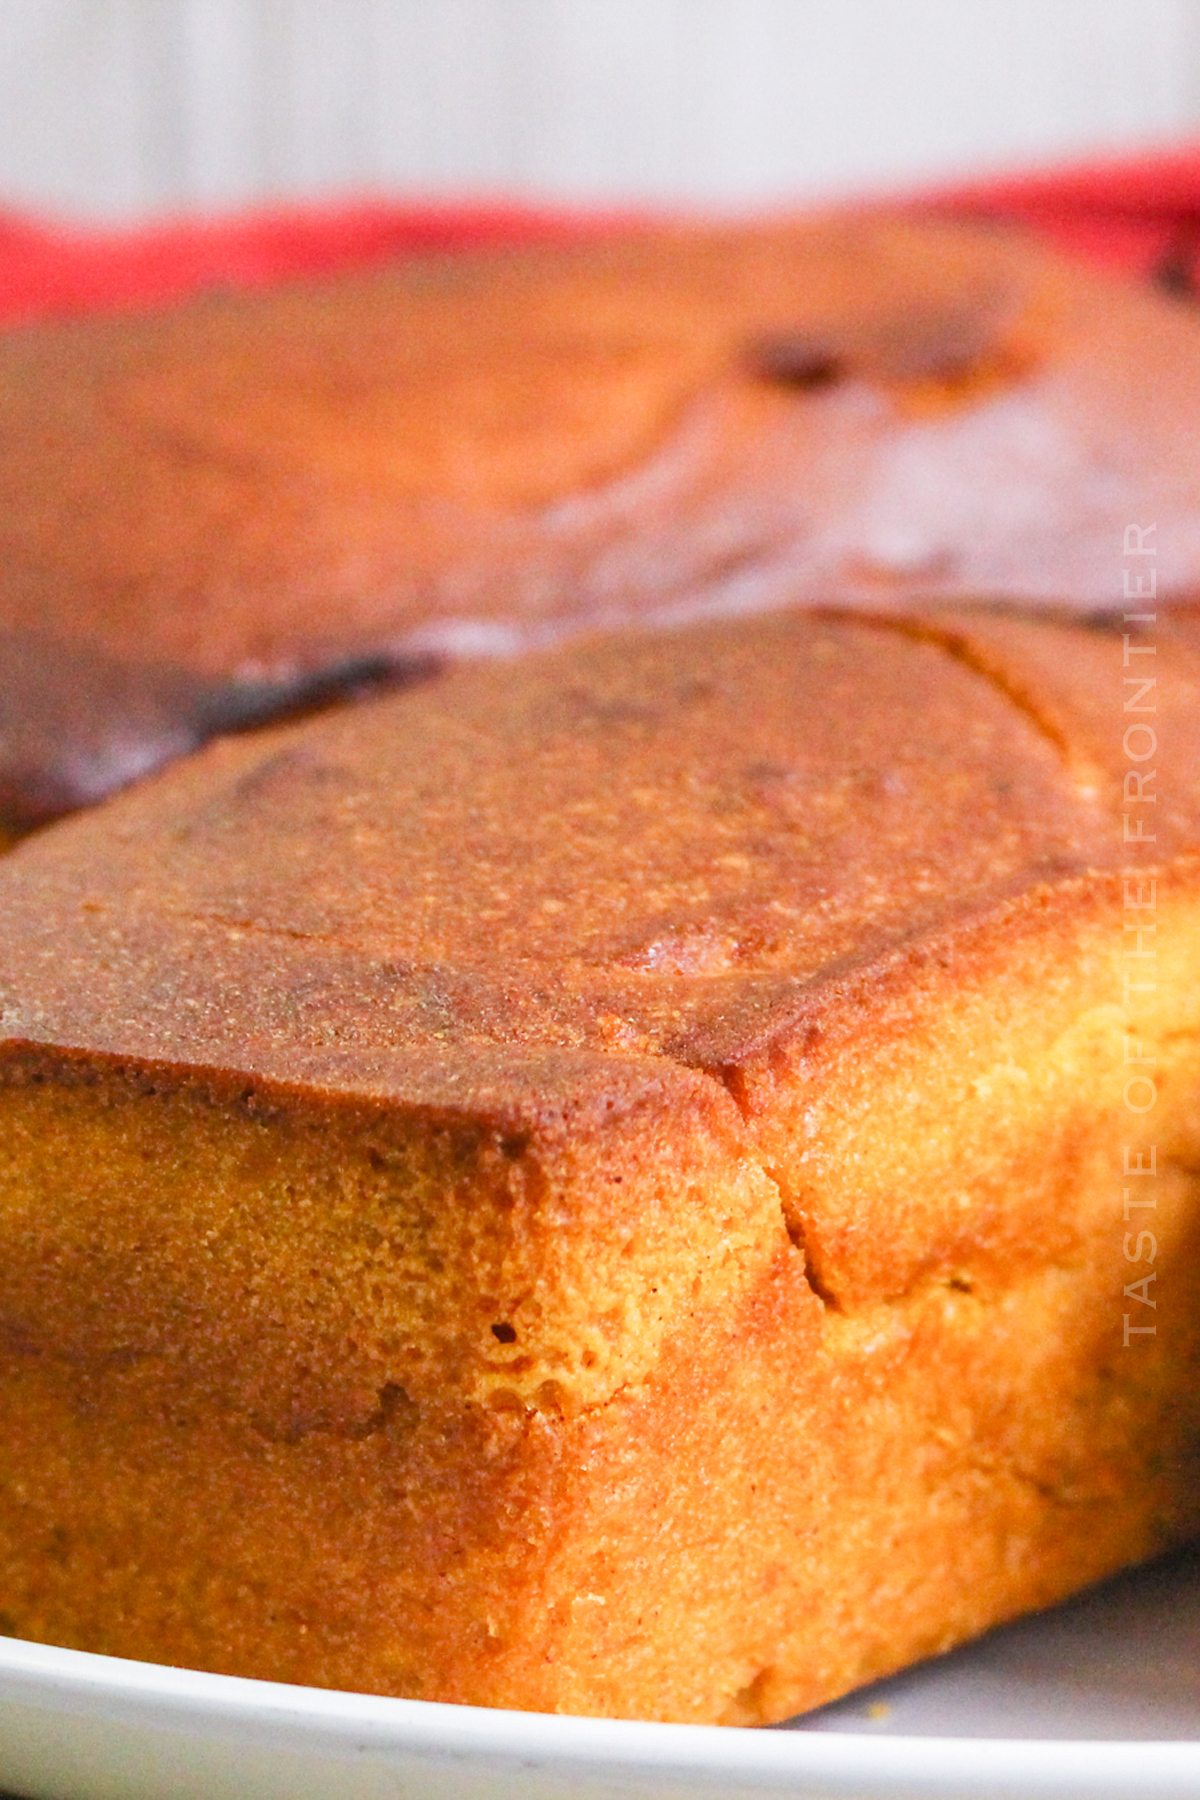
x=111 y=108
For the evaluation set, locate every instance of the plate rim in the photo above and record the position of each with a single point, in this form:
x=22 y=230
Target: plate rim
x=48 y=1678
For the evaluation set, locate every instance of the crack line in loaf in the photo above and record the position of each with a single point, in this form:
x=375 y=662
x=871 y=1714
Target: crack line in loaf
x=923 y=629
x=791 y=1219
x=796 y=1227
x=729 y=1081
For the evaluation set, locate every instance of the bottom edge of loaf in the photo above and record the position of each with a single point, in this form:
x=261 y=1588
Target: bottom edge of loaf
x=777 y=1516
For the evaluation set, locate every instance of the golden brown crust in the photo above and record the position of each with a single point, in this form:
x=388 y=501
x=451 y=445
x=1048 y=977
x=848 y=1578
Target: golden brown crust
x=570 y=1187
x=657 y=843
x=249 y=504
x=789 y=1506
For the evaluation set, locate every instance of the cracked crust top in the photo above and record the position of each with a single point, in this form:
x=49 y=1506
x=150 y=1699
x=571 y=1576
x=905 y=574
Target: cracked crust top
x=644 y=846
x=547 y=1190
x=247 y=505
x=600 y=971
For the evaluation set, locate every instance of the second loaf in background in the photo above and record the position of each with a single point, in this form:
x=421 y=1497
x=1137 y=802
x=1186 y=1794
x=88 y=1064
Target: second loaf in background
x=219 y=511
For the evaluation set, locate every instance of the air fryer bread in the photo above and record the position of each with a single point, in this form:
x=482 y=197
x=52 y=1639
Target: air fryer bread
x=248 y=504
x=595 y=1185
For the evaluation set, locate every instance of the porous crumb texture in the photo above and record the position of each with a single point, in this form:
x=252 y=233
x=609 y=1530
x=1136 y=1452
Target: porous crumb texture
x=248 y=504
x=597 y=1186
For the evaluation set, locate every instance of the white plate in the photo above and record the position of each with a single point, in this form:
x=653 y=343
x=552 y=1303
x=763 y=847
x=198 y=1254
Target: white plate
x=1096 y=1699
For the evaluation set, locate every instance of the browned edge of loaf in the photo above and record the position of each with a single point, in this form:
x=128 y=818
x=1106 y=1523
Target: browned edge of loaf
x=636 y=1231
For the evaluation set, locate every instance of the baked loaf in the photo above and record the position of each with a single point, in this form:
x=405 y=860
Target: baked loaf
x=597 y=1185
x=213 y=514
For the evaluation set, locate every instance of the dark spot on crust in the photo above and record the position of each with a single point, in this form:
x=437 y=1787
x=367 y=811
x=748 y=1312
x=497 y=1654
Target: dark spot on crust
x=504 y=1333
x=794 y=360
x=395 y=1411
x=1175 y=271
x=1108 y=623
x=931 y=343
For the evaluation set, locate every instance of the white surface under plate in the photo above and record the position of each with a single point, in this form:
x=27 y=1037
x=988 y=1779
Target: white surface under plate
x=1099 y=1698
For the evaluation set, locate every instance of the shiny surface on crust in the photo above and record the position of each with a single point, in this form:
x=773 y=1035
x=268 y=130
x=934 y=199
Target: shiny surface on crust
x=246 y=504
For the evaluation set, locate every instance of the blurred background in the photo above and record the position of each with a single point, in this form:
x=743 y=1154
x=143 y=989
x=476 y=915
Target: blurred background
x=117 y=109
